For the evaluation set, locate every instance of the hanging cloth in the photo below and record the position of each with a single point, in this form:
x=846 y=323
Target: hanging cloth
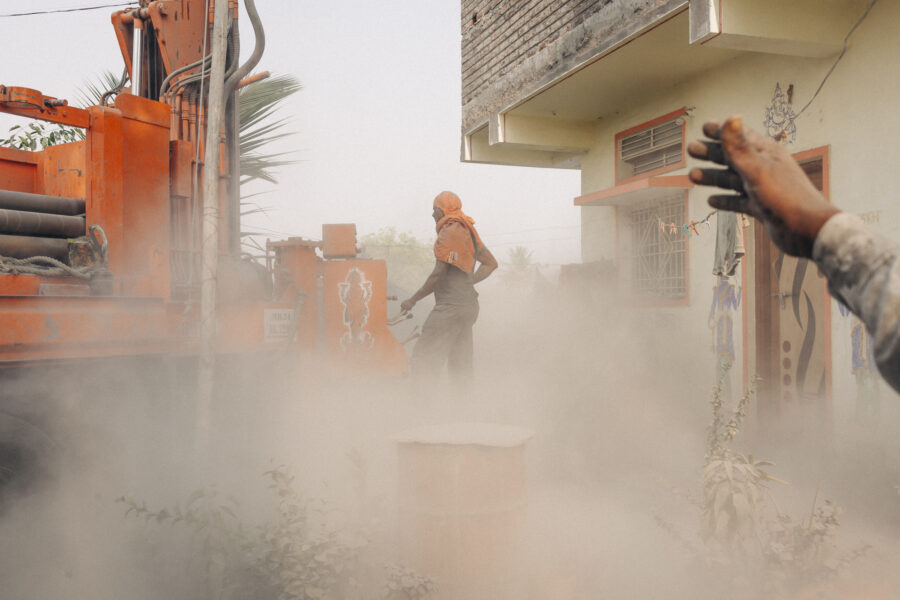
x=728 y=249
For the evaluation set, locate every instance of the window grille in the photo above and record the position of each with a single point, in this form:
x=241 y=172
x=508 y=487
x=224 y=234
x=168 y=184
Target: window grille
x=657 y=257
x=652 y=148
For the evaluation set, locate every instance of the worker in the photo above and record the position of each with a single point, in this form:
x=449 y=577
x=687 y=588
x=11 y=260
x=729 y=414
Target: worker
x=861 y=265
x=447 y=332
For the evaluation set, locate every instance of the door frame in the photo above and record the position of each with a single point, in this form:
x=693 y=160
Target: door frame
x=767 y=361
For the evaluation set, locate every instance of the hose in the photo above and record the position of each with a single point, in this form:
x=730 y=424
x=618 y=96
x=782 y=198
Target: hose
x=118 y=88
x=232 y=81
x=178 y=71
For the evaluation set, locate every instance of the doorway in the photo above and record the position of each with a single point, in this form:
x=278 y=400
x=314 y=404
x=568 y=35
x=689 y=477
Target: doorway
x=793 y=332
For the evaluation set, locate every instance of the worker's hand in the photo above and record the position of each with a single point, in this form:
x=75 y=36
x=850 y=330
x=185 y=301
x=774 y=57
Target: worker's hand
x=768 y=182
x=407 y=305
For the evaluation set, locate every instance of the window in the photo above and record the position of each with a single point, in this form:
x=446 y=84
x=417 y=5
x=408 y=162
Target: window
x=656 y=259
x=651 y=147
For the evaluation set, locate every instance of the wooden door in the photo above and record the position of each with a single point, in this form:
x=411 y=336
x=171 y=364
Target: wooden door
x=793 y=337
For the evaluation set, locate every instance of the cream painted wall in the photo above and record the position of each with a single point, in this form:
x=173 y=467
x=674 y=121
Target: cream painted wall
x=751 y=18
x=856 y=115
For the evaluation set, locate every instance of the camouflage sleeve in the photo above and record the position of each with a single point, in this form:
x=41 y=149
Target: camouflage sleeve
x=863 y=272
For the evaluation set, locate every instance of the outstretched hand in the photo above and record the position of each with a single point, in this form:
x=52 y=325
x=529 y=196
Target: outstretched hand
x=768 y=184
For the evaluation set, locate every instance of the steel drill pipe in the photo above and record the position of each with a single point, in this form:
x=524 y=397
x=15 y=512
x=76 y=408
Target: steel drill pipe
x=20 y=246
x=20 y=222
x=56 y=205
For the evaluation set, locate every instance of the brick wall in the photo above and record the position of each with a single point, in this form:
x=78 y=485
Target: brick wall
x=497 y=35
x=511 y=48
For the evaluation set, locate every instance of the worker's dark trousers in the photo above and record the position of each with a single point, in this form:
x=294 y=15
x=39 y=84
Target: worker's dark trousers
x=446 y=337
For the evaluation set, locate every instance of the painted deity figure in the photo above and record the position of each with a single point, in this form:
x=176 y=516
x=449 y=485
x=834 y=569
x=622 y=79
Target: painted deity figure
x=355 y=293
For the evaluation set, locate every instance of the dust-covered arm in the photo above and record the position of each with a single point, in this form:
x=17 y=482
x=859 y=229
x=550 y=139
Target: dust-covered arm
x=440 y=269
x=863 y=271
x=767 y=183
x=488 y=264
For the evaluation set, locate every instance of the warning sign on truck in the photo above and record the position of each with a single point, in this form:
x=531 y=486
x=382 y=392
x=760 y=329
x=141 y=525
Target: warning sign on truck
x=279 y=324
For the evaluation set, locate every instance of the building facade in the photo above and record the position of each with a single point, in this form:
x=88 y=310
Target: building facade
x=617 y=88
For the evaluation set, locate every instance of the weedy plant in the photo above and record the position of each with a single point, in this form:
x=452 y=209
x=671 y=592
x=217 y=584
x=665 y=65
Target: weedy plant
x=749 y=545
x=299 y=554
x=734 y=485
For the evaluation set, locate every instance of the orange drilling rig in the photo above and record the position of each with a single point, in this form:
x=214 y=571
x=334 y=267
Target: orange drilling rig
x=100 y=238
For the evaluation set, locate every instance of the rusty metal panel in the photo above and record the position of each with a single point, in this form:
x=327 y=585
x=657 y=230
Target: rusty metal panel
x=128 y=190
x=31 y=103
x=27 y=285
x=103 y=201
x=70 y=327
x=339 y=240
x=144 y=110
x=179 y=27
x=296 y=268
x=18 y=169
x=62 y=170
x=181 y=157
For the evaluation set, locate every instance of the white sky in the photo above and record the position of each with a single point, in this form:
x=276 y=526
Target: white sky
x=377 y=121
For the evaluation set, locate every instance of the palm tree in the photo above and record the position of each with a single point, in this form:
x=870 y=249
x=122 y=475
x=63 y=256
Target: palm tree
x=257 y=103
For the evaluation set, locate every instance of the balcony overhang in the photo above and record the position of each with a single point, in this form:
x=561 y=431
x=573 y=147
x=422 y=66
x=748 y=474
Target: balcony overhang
x=553 y=124
x=477 y=148
x=637 y=191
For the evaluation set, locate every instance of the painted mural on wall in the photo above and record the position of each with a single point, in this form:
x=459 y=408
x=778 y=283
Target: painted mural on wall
x=355 y=293
x=862 y=365
x=780 y=120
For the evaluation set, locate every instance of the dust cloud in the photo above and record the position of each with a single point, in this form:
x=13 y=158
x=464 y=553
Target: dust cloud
x=618 y=403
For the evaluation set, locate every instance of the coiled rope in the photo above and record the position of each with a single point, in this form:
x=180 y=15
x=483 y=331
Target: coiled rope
x=42 y=265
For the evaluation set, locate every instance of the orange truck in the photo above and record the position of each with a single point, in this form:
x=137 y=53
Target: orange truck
x=100 y=238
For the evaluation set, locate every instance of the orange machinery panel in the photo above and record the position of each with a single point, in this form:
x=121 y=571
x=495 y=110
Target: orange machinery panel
x=18 y=170
x=339 y=240
x=61 y=172
x=356 y=336
x=295 y=268
x=46 y=327
x=128 y=191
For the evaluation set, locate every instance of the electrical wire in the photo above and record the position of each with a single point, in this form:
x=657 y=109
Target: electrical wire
x=67 y=10
x=840 y=56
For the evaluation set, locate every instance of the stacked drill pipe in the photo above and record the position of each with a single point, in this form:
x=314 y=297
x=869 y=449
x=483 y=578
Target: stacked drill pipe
x=38 y=225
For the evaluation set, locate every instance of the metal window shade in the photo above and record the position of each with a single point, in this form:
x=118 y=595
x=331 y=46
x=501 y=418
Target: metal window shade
x=653 y=147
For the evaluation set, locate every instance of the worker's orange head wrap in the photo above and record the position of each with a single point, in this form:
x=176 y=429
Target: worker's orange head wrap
x=455 y=245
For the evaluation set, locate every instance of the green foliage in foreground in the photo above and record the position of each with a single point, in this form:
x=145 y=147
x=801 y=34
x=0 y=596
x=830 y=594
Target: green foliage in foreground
x=296 y=555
